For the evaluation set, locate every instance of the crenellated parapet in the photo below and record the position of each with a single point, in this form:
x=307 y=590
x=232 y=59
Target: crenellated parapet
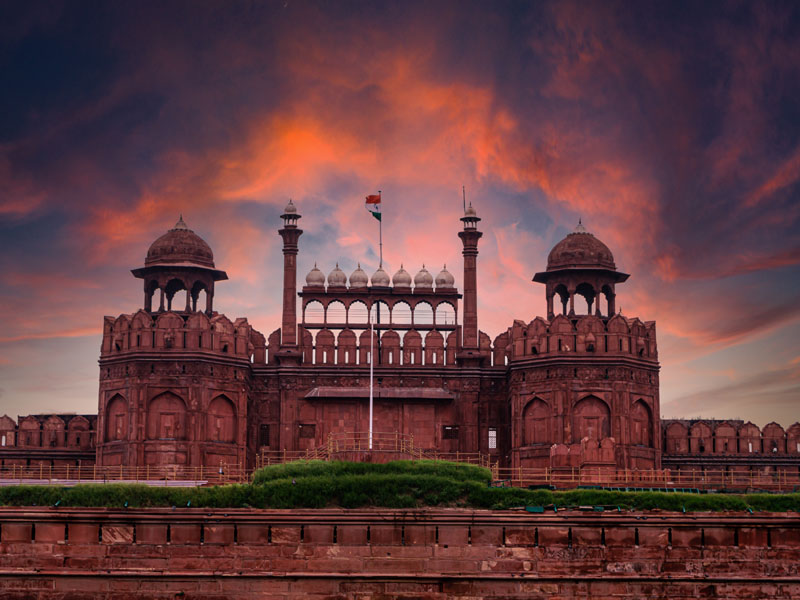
x=587 y=335
x=728 y=438
x=143 y=332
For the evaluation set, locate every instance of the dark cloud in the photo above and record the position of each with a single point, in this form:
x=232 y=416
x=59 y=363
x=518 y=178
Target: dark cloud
x=671 y=127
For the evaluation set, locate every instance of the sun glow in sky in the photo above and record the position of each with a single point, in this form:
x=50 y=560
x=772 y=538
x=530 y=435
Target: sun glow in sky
x=672 y=129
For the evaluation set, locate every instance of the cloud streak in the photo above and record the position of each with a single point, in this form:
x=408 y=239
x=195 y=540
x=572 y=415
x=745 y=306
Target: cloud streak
x=670 y=129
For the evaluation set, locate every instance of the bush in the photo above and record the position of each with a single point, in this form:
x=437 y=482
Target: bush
x=398 y=484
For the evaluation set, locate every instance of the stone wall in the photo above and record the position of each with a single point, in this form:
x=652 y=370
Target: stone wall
x=199 y=553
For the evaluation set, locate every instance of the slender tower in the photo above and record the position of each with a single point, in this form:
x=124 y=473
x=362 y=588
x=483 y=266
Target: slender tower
x=290 y=234
x=470 y=236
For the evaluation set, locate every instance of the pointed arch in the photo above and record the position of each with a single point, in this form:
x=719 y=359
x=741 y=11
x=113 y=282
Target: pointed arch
x=221 y=420
x=536 y=423
x=641 y=424
x=166 y=418
x=116 y=416
x=591 y=418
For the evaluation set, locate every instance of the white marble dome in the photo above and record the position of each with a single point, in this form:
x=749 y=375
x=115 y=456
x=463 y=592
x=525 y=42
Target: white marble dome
x=401 y=279
x=445 y=279
x=337 y=278
x=380 y=278
x=359 y=278
x=423 y=279
x=315 y=277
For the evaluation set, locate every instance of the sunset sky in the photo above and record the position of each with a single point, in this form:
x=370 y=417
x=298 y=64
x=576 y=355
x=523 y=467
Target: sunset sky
x=671 y=129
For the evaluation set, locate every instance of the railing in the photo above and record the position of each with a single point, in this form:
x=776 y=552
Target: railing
x=151 y=475
x=781 y=480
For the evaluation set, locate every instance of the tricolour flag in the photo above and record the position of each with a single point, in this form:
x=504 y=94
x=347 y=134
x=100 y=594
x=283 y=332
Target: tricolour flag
x=374 y=205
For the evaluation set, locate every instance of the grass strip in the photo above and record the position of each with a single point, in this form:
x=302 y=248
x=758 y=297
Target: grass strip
x=400 y=484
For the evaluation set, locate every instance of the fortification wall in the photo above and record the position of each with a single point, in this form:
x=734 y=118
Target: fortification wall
x=201 y=553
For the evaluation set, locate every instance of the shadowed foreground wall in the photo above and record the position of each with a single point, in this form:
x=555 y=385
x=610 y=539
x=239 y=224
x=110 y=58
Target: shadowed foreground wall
x=198 y=553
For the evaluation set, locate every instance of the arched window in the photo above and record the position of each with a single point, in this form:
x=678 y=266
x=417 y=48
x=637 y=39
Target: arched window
x=588 y=293
x=641 y=430
x=560 y=299
x=401 y=313
x=314 y=312
x=336 y=312
x=117 y=419
x=423 y=314
x=357 y=313
x=166 y=418
x=591 y=418
x=536 y=423
x=379 y=312
x=221 y=420
x=445 y=314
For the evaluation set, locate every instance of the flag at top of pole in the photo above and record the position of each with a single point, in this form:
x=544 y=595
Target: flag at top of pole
x=374 y=205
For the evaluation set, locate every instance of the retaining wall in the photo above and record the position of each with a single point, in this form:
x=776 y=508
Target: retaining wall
x=51 y=553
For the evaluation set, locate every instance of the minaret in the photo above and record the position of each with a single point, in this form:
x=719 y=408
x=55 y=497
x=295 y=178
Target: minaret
x=290 y=234
x=470 y=237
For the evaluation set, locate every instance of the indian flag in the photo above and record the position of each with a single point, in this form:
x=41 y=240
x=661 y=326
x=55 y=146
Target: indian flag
x=374 y=205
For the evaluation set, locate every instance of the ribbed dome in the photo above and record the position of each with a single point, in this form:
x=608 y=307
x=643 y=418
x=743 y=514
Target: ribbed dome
x=580 y=249
x=358 y=279
x=180 y=245
x=315 y=277
x=401 y=279
x=445 y=279
x=290 y=209
x=423 y=279
x=380 y=278
x=337 y=278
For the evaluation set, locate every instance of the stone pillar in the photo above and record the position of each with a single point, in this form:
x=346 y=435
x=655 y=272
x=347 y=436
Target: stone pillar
x=161 y=304
x=470 y=236
x=290 y=234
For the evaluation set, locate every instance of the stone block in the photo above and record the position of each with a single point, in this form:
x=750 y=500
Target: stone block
x=420 y=535
x=184 y=533
x=16 y=532
x=385 y=535
x=117 y=534
x=151 y=533
x=487 y=535
x=453 y=535
x=218 y=534
x=319 y=534
x=84 y=533
x=51 y=533
x=253 y=534
x=286 y=534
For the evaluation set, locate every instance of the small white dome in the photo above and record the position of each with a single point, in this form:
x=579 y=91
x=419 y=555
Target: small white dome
x=380 y=278
x=445 y=279
x=470 y=212
x=401 y=279
x=358 y=279
x=337 y=278
x=423 y=279
x=315 y=277
x=290 y=208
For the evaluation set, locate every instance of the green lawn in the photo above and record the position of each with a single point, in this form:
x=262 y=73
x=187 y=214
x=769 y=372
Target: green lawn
x=398 y=484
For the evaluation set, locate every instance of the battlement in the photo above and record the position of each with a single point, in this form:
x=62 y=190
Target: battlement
x=587 y=334
x=685 y=437
x=144 y=331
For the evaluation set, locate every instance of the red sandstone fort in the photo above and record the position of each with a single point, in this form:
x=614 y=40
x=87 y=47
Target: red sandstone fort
x=182 y=385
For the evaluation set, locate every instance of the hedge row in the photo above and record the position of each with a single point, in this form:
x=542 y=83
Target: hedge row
x=403 y=484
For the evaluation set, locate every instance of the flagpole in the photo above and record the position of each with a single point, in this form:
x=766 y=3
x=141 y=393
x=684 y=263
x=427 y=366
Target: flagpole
x=371 y=378
x=380 y=233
